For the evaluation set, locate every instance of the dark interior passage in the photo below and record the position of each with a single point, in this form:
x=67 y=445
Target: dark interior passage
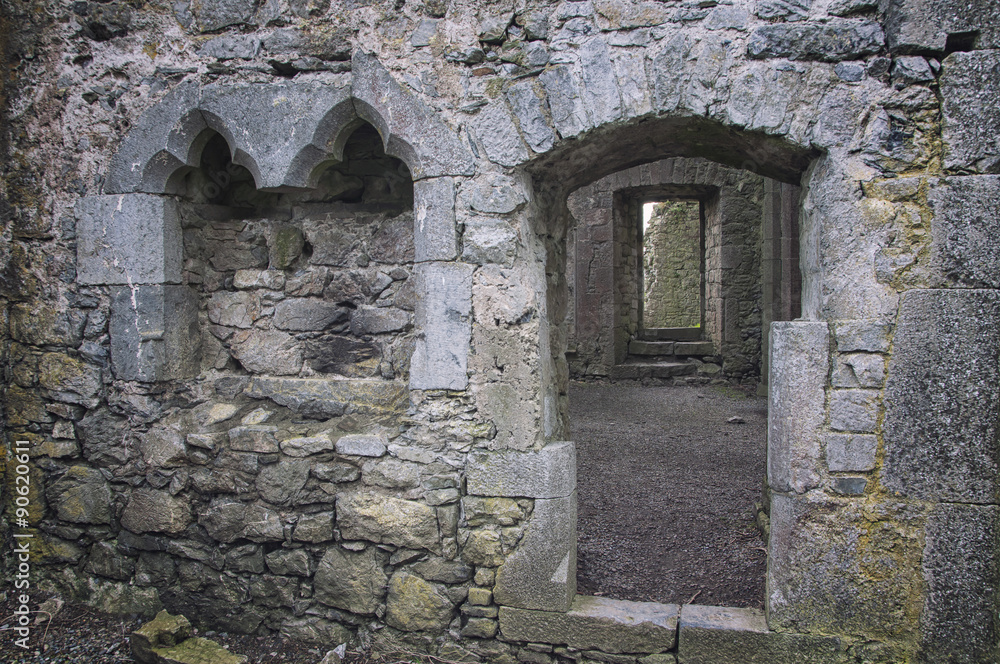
x=666 y=488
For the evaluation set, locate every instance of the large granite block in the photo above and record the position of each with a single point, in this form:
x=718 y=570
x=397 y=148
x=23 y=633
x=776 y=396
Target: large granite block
x=128 y=239
x=715 y=634
x=596 y=623
x=965 y=230
x=942 y=397
x=970 y=85
x=154 y=333
x=546 y=473
x=961 y=566
x=434 y=234
x=444 y=326
x=541 y=573
x=799 y=366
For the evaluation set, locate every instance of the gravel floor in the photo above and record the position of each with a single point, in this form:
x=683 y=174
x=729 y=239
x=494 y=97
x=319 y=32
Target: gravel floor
x=666 y=489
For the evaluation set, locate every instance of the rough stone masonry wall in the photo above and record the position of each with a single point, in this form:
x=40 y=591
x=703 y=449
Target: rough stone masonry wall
x=671 y=266
x=885 y=490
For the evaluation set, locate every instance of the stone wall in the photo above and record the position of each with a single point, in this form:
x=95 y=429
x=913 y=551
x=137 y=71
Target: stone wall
x=671 y=266
x=177 y=458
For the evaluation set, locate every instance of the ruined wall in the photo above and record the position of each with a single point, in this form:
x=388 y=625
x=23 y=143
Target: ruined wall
x=446 y=483
x=671 y=266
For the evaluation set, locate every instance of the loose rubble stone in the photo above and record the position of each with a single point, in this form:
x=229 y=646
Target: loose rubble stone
x=156 y=511
x=415 y=605
x=81 y=495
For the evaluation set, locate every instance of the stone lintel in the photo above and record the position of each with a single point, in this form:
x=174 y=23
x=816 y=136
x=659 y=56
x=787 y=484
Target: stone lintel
x=596 y=623
x=719 y=635
x=128 y=239
x=546 y=473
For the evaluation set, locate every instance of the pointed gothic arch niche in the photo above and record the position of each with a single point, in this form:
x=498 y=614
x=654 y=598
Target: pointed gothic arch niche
x=690 y=158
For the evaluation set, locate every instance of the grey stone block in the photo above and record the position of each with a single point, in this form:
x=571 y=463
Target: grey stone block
x=329 y=398
x=230 y=47
x=609 y=625
x=444 y=329
x=384 y=519
x=378 y=320
x=526 y=102
x=351 y=581
x=214 y=15
x=941 y=397
x=924 y=25
x=546 y=473
x=960 y=621
x=847 y=452
x=307 y=314
x=965 y=230
x=840 y=39
x=361 y=445
x=713 y=634
x=128 y=239
x=799 y=366
x=858 y=370
x=160 y=142
x=565 y=100
x=540 y=574
x=411 y=130
x=489 y=240
x=255 y=119
x=854 y=410
x=156 y=511
x=434 y=234
x=495 y=128
x=865 y=335
x=970 y=82
x=154 y=333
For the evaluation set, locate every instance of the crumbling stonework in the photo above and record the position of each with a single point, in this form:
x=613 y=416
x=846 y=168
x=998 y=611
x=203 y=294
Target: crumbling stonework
x=286 y=310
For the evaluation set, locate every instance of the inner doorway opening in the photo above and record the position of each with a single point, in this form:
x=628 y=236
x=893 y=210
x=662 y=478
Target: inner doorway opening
x=672 y=304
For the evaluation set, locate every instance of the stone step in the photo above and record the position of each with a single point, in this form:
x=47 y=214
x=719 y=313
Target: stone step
x=672 y=334
x=667 y=348
x=634 y=369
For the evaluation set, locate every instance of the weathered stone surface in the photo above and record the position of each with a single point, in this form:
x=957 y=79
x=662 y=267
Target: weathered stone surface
x=378 y=518
x=69 y=380
x=435 y=237
x=489 y=240
x=925 y=25
x=39 y=324
x=154 y=333
x=163 y=447
x=102 y=435
x=163 y=631
x=969 y=81
x=854 y=410
x=351 y=581
x=307 y=314
x=229 y=47
x=267 y=352
x=961 y=568
x=790 y=10
x=565 y=101
x=539 y=574
x=156 y=511
x=850 y=452
x=278 y=483
x=491 y=511
x=869 y=336
x=81 y=495
x=941 y=397
x=128 y=239
x=546 y=473
x=411 y=131
x=254 y=438
x=252 y=279
x=965 y=231
x=359 y=444
x=391 y=473
x=443 y=571
x=799 y=366
x=105 y=560
x=213 y=15
x=306 y=445
x=858 y=370
x=831 y=570
x=415 y=605
x=314 y=528
x=378 y=320
x=444 y=305
x=526 y=101
x=288 y=561
x=328 y=398
x=830 y=42
x=712 y=634
x=610 y=625
x=496 y=131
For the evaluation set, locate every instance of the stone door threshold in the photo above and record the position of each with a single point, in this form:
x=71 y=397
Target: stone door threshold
x=623 y=632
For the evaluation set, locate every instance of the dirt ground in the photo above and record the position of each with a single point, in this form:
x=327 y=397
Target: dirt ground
x=666 y=489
